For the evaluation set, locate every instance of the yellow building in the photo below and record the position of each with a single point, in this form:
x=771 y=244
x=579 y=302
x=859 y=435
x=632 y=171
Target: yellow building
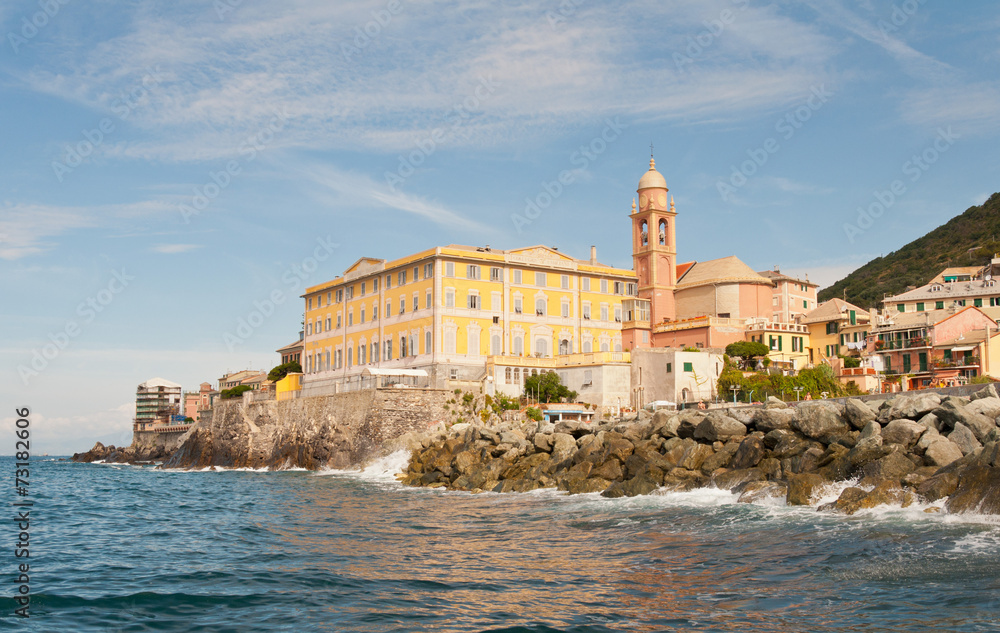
x=787 y=343
x=834 y=329
x=448 y=309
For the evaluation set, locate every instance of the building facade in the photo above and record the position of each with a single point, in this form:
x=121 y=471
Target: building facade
x=156 y=402
x=448 y=309
x=791 y=298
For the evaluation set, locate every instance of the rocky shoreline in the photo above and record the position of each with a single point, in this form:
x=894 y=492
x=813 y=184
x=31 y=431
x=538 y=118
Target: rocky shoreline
x=902 y=450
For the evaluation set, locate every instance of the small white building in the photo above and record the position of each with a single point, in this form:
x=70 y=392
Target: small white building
x=665 y=373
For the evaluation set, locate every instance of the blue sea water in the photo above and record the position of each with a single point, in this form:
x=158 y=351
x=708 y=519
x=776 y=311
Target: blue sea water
x=124 y=548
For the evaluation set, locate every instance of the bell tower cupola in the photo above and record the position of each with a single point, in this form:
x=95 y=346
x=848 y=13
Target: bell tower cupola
x=654 y=250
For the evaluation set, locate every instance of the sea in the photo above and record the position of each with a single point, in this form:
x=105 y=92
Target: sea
x=137 y=548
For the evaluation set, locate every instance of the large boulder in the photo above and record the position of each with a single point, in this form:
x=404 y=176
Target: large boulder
x=988 y=406
x=938 y=487
x=688 y=421
x=665 y=424
x=942 y=452
x=902 y=432
x=775 y=403
x=978 y=491
x=763 y=491
x=641 y=485
x=952 y=412
x=819 y=420
x=910 y=407
x=989 y=391
x=730 y=479
x=964 y=438
x=801 y=488
x=767 y=420
x=563 y=446
x=718 y=427
x=858 y=413
x=749 y=453
x=893 y=466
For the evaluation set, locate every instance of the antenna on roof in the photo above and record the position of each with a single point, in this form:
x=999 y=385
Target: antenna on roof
x=651 y=149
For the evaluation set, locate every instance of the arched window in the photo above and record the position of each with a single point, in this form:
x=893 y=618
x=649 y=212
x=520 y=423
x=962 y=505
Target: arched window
x=518 y=346
x=588 y=347
x=663 y=232
x=541 y=347
x=540 y=307
x=563 y=347
x=495 y=345
x=605 y=346
x=644 y=233
x=506 y=376
x=350 y=356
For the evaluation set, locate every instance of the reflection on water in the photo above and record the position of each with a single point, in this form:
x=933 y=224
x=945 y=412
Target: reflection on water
x=139 y=549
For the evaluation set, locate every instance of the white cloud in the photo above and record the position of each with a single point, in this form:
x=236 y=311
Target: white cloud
x=171 y=249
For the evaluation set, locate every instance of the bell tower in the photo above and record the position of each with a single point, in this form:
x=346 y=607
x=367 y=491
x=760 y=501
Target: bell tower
x=654 y=249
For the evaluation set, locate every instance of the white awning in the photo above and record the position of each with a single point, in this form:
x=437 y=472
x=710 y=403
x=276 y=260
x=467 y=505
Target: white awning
x=378 y=371
x=964 y=348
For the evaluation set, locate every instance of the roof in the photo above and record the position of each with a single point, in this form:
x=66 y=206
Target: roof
x=652 y=178
x=904 y=320
x=775 y=275
x=972 y=271
x=290 y=347
x=833 y=310
x=947 y=291
x=683 y=268
x=159 y=382
x=727 y=269
x=972 y=338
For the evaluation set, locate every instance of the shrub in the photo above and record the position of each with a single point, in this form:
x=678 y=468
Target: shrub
x=534 y=413
x=280 y=371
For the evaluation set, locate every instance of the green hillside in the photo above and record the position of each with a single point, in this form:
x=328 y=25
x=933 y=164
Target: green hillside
x=919 y=261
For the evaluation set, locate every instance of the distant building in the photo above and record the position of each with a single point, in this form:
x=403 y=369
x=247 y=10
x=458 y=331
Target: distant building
x=675 y=376
x=156 y=402
x=791 y=297
x=952 y=288
x=787 y=343
x=292 y=352
x=836 y=328
x=244 y=377
x=192 y=400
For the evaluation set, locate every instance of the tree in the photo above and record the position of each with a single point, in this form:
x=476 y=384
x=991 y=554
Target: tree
x=547 y=387
x=746 y=350
x=235 y=392
x=281 y=371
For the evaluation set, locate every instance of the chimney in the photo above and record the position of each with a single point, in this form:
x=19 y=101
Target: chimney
x=593 y=255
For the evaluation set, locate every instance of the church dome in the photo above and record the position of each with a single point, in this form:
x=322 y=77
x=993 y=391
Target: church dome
x=652 y=178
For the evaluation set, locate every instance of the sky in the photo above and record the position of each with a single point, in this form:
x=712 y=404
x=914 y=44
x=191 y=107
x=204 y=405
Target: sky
x=170 y=170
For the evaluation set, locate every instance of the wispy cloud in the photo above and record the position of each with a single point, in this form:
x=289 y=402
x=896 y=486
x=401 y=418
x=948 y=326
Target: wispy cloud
x=172 y=249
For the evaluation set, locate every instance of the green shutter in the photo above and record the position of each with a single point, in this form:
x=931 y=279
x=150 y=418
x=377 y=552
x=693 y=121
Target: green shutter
x=920 y=307
x=901 y=307
x=688 y=367
x=922 y=360
x=939 y=305
x=978 y=303
x=854 y=317
x=780 y=338
x=669 y=368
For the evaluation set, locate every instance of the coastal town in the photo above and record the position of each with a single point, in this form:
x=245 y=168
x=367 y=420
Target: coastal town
x=483 y=321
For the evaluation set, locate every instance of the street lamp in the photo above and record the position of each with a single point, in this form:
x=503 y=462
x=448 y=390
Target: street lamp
x=735 y=389
x=797 y=390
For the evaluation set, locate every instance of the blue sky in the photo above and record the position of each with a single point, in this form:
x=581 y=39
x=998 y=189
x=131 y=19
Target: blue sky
x=168 y=168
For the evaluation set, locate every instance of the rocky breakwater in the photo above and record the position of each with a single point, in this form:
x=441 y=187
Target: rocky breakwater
x=897 y=451
x=135 y=453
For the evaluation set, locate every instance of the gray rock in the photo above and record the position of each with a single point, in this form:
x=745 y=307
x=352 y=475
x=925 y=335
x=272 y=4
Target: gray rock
x=988 y=406
x=871 y=429
x=964 y=438
x=911 y=407
x=718 y=427
x=775 y=403
x=930 y=421
x=929 y=437
x=689 y=419
x=817 y=419
x=563 y=446
x=755 y=492
x=858 y=413
x=952 y=412
x=942 y=453
x=750 y=452
x=743 y=415
x=665 y=424
x=767 y=420
x=893 y=466
x=903 y=432
x=989 y=391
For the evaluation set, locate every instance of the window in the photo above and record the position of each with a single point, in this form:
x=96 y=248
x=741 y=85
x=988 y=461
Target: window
x=564 y=282
x=427 y=342
x=473 y=348
x=374 y=311
x=540 y=280
x=688 y=367
x=416 y=273
x=402 y=305
x=363 y=285
x=539 y=307
x=495 y=302
x=453 y=374
x=388 y=282
x=515 y=276
x=473 y=302
x=449 y=269
x=518 y=346
x=517 y=305
x=310 y=304
x=319 y=326
x=388 y=350
x=901 y=307
x=588 y=377
x=472 y=271
x=604 y=286
x=375 y=285
x=564 y=347
x=805 y=305
x=645 y=336
x=920 y=307
x=906 y=363
x=340 y=296
x=427 y=300
x=565 y=309
x=327 y=324
x=831 y=328
x=362 y=315
x=854 y=316
x=585 y=284
x=541 y=347
x=329 y=298
x=402 y=347
x=663 y=232
x=619 y=287
x=604 y=312
x=416 y=303
x=670 y=368
x=428 y=270
x=349 y=292
x=449 y=298
x=632 y=289
x=586 y=310
x=388 y=308
x=978 y=303
x=338 y=320
x=402 y=277
x=644 y=232
x=495 y=345
x=618 y=314
x=350 y=356
x=939 y=305
x=496 y=274
x=350 y=318
x=309 y=329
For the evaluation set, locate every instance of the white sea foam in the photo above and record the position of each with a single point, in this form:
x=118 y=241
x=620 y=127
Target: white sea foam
x=383 y=469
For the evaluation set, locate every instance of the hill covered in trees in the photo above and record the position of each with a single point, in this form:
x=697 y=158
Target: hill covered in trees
x=969 y=239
